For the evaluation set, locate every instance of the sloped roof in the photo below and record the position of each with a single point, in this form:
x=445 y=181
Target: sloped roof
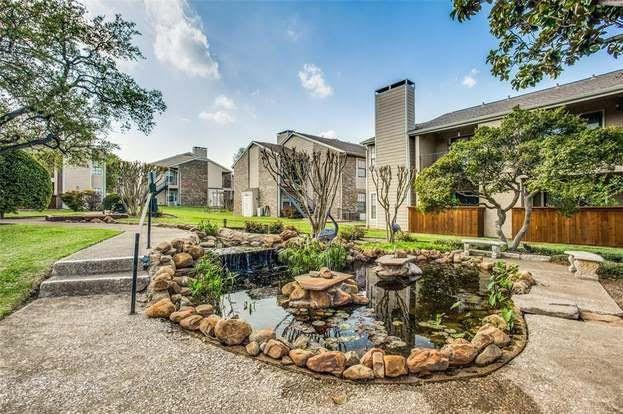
x=269 y=145
x=185 y=157
x=368 y=141
x=348 y=147
x=607 y=83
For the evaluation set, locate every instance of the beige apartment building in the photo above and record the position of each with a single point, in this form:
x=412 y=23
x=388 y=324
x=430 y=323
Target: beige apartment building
x=257 y=193
x=90 y=176
x=195 y=180
x=399 y=141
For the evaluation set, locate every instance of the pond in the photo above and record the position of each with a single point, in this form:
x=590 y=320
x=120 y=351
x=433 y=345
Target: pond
x=445 y=301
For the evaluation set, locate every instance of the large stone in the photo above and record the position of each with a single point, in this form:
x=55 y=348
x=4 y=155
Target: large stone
x=520 y=287
x=232 y=331
x=276 y=349
x=500 y=338
x=207 y=325
x=378 y=365
x=482 y=340
x=366 y=359
x=544 y=305
x=165 y=272
x=460 y=353
x=287 y=234
x=320 y=299
x=300 y=356
x=163 y=246
x=331 y=362
x=359 y=299
x=341 y=298
x=351 y=358
x=298 y=293
x=196 y=252
x=181 y=314
x=489 y=355
x=425 y=361
x=288 y=288
x=262 y=335
x=158 y=285
x=253 y=348
x=192 y=322
x=178 y=244
x=395 y=365
x=205 y=310
x=161 y=309
x=495 y=320
x=182 y=260
x=325 y=272
x=318 y=283
x=358 y=372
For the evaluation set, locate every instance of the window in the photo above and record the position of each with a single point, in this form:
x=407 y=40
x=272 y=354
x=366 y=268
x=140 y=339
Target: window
x=361 y=203
x=171 y=176
x=372 y=155
x=361 y=169
x=215 y=198
x=594 y=119
x=373 y=206
x=97 y=169
x=172 y=197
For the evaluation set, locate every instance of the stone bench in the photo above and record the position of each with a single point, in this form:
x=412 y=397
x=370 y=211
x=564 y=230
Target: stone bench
x=584 y=264
x=495 y=245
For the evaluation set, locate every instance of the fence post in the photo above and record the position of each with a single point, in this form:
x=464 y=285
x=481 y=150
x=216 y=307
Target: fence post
x=224 y=223
x=134 y=274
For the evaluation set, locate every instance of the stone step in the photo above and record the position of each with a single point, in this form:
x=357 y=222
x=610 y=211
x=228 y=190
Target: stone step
x=93 y=266
x=91 y=284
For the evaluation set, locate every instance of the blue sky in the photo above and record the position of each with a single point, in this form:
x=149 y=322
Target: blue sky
x=231 y=72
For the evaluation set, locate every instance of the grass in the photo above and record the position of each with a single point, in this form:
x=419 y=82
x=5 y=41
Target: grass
x=28 y=251
x=42 y=213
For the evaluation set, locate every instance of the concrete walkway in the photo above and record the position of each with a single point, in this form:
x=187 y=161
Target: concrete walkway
x=86 y=354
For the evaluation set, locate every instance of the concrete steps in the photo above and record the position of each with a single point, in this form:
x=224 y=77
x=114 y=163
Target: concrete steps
x=92 y=277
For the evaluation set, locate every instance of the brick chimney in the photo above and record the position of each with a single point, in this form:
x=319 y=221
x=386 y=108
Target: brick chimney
x=200 y=152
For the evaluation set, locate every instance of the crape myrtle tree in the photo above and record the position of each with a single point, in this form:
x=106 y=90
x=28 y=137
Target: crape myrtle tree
x=530 y=152
x=133 y=183
x=24 y=183
x=311 y=180
x=382 y=179
x=60 y=85
x=538 y=38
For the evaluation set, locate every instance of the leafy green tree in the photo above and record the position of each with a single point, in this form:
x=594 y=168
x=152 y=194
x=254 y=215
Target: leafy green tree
x=538 y=38
x=530 y=152
x=24 y=183
x=113 y=169
x=60 y=86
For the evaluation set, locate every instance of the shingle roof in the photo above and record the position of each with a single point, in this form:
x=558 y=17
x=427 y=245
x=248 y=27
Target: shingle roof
x=270 y=145
x=348 y=147
x=595 y=85
x=185 y=157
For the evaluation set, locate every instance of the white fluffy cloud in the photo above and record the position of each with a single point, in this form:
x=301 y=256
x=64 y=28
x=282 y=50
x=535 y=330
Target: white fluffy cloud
x=222 y=113
x=312 y=79
x=329 y=134
x=179 y=39
x=469 y=80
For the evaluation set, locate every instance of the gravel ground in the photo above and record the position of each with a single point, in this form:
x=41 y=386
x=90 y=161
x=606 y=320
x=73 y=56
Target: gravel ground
x=86 y=354
x=614 y=287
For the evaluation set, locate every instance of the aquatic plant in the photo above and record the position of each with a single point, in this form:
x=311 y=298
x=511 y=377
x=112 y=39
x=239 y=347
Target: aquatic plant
x=212 y=281
x=208 y=228
x=313 y=255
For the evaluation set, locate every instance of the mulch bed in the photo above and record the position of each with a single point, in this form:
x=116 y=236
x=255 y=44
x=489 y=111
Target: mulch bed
x=614 y=287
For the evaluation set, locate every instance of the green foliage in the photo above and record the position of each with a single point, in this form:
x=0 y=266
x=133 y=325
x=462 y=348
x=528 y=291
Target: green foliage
x=92 y=200
x=274 y=227
x=351 y=233
x=60 y=83
x=24 y=183
x=508 y=314
x=74 y=200
x=538 y=38
x=113 y=169
x=208 y=227
x=403 y=236
x=113 y=202
x=610 y=270
x=212 y=281
x=501 y=284
x=313 y=255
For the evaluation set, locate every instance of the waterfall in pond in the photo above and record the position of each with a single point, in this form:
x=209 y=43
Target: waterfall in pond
x=252 y=264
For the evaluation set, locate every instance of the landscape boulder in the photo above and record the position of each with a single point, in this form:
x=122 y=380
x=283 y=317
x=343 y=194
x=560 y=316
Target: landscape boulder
x=208 y=324
x=161 y=309
x=500 y=338
x=395 y=365
x=232 y=331
x=358 y=372
x=276 y=349
x=191 y=322
x=300 y=356
x=181 y=314
x=460 y=352
x=262 y=335
x=182 y=260
x=205 y=310
x=331 y=362
x=489 y=355
x=425 y=361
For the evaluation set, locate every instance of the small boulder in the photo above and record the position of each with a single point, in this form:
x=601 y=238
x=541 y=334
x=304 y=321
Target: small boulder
x=520 y=287
x=181 y=314
x=161 y=309
x=196 y=252
x=300 y=356
x=287 y=234
x=495 y=320
x=500 y=338
x=325 y=273
x=232 y=331
x=341 y=298
x=158 y=285
x=288 y=288
x=351 y=358
x=178 y=244
x=358 y=372
x=425 y=361
x=481 y=341
x=262 y=335
x=331 y=362
x=320 y=299
x=395 y=365
x=163 y=246
x=253 y=348
x=359 y=299
x=298 y=293
x=192 y=322
x=489 y=355
x=183 y=260
x=205 y=310
x=460 y=353
x=366 y=359
x=276 y=349
x=378 y=365
x=207 y=325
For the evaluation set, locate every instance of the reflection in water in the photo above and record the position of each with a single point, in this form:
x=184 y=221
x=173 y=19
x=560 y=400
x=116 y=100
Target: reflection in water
x=445 y=301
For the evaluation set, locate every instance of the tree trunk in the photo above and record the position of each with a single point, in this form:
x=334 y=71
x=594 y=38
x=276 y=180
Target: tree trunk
x=527 y=217
x=501 y=213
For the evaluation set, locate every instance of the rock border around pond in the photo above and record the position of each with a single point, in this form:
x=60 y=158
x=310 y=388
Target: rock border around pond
x=169 y=296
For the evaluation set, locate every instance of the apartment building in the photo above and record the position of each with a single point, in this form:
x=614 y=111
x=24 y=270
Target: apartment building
x=88 y=176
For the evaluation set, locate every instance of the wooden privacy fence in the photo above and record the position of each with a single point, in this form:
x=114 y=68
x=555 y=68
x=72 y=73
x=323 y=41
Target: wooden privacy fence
x=599 y=226
x=458 y=221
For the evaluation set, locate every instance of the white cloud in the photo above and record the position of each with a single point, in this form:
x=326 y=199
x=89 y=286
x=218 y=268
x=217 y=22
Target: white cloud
x=219 y=117
x=469 y=80
x=329 y=134
x=312 y=79
x=224 y=102
x=179 y=39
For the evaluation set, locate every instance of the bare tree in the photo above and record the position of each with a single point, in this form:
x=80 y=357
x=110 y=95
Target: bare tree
x=382 y=179
x=133 y=184
x=310 y=179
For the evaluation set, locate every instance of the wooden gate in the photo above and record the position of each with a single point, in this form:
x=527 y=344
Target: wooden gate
x=599 y=226
x=458 y=221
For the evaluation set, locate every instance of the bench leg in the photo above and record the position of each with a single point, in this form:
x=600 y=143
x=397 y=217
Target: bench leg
x=572 y=268
x=495 y=252
x=466 y=249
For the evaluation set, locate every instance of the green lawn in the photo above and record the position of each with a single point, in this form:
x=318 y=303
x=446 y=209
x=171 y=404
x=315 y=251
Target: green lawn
x=28 y=251
x=42 y=213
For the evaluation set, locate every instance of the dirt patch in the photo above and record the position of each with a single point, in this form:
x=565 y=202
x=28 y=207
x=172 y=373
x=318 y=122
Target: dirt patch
x=614 y=287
